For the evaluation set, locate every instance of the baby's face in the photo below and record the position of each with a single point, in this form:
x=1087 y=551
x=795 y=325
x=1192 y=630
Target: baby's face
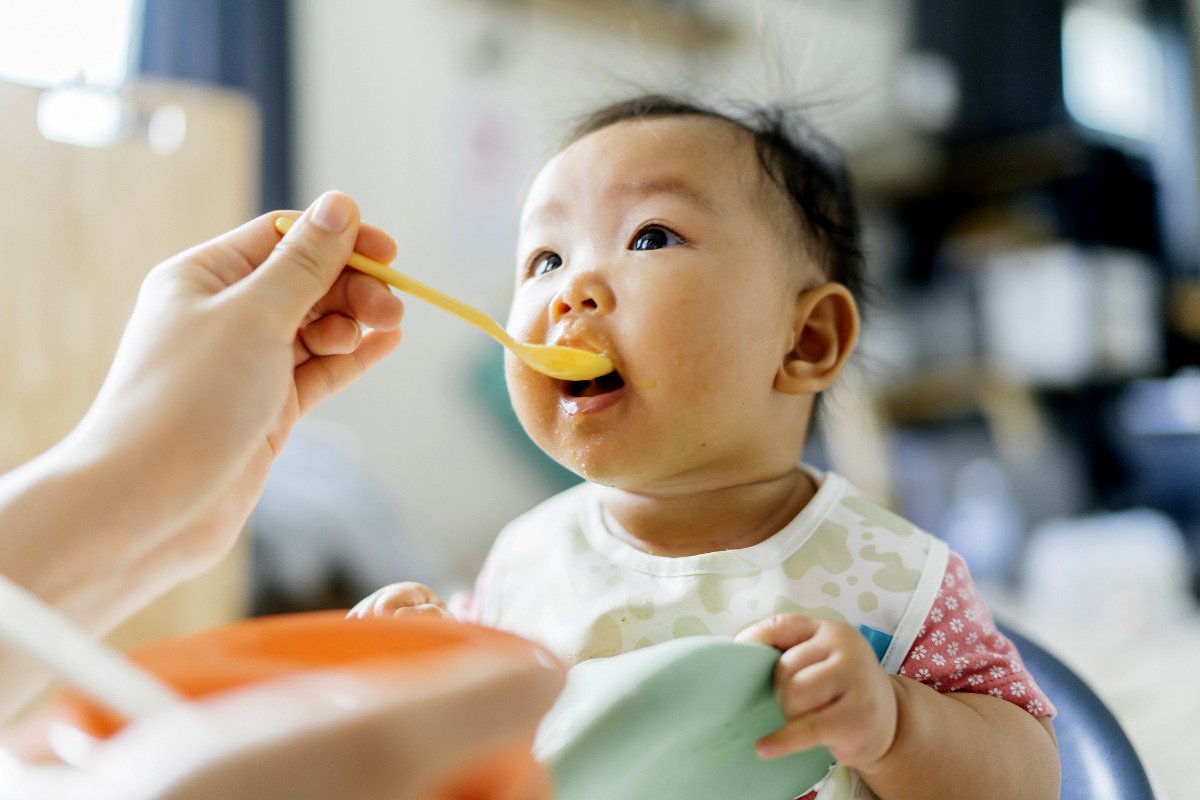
x=656 y=242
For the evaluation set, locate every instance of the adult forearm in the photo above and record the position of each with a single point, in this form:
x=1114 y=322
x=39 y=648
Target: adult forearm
x=74 y=531
x=964 y=745
x=74 y=527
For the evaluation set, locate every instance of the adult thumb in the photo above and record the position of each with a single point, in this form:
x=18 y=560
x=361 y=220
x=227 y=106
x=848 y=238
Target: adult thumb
x=304 y=265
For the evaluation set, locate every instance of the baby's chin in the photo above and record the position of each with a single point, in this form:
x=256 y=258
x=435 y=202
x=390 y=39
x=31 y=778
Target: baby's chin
x=595 y=469
x=610 y=460
x=624 y=474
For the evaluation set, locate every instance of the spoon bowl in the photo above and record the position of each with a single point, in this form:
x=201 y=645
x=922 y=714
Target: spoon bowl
x=564 y=363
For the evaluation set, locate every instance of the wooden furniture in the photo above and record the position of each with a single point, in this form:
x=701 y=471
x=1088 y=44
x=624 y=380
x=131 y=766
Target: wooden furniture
x=79 y=229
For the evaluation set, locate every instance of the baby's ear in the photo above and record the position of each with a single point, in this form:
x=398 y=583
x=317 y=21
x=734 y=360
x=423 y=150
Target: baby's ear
x=825 y=329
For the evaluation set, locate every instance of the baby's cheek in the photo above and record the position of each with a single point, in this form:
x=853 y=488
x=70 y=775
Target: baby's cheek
x=532 y=412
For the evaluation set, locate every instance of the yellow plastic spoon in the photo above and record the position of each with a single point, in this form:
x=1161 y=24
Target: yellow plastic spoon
x=564 y=363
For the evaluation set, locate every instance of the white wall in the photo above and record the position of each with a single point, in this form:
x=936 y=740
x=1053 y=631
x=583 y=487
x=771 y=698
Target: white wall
x=434 y=114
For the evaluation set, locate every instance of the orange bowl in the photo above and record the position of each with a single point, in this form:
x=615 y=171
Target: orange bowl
x=263 y=648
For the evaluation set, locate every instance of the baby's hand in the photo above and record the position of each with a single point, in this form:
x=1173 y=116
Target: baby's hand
x=831 y=689
x=395 y=599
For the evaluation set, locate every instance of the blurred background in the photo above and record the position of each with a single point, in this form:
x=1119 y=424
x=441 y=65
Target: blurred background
x=1029 y=382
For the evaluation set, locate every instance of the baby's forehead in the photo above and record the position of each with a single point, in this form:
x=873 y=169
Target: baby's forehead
x=706 y=155
x=690 y=128
x=687 y=143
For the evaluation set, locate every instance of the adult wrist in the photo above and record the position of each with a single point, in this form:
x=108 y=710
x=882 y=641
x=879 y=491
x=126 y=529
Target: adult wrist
x=76 y=529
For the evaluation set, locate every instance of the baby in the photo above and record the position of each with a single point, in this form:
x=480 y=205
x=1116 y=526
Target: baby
x=716 y=260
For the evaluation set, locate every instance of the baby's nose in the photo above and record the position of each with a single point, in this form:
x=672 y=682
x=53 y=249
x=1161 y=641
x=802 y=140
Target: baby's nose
x=585 y=292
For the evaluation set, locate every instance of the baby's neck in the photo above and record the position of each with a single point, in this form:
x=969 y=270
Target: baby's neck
x=694 y=522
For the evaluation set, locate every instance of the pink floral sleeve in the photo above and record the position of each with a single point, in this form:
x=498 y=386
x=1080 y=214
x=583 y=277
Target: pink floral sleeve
x=959 y=649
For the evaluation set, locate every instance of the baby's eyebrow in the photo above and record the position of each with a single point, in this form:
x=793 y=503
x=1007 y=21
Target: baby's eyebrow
x=637 y=189
x=654 y=187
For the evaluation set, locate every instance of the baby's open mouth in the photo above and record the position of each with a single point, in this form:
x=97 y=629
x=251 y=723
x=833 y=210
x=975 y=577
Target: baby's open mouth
x=598 y=386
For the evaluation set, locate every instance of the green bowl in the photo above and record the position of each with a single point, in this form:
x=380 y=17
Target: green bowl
x=674 y=721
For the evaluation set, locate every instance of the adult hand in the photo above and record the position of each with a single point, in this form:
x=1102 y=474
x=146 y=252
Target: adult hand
x=258 y=333
x=229 y=344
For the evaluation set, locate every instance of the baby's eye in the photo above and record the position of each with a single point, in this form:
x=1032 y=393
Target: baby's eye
x=545 y=262
x=654 y=238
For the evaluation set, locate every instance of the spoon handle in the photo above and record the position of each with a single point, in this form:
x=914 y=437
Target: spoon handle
x=404 y=283
x=39 y=632
x=409 y=285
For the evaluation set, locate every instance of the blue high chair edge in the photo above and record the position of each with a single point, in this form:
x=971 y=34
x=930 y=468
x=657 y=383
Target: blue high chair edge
x=1097 y=758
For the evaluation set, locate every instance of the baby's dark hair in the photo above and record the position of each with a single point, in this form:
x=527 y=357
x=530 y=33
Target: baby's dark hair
x=806 y=166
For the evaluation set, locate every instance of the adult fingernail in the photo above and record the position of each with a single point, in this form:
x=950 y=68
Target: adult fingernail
x=332 y=212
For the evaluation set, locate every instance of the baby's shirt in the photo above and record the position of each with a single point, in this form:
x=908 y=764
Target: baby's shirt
x=959 y=648
x=560 y=576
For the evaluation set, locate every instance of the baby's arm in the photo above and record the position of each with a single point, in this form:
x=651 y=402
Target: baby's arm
x=904 y=738
x=395 y=599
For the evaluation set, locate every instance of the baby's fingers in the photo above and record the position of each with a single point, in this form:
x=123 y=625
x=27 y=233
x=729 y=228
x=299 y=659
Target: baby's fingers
x=424 y=609
x=856 y=725
x=366 y=607
x=396 y=597
x=808 y=688
x=405 y=595
x=781 y=631
x=362 y=609
x=799 y=733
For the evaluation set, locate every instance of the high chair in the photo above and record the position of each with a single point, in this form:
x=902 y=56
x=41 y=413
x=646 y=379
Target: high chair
x=1098 y=760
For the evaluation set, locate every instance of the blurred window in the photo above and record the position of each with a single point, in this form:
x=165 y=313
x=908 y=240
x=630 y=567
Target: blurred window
x=52 y=42
x=78 y=48
x=1112 y=72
